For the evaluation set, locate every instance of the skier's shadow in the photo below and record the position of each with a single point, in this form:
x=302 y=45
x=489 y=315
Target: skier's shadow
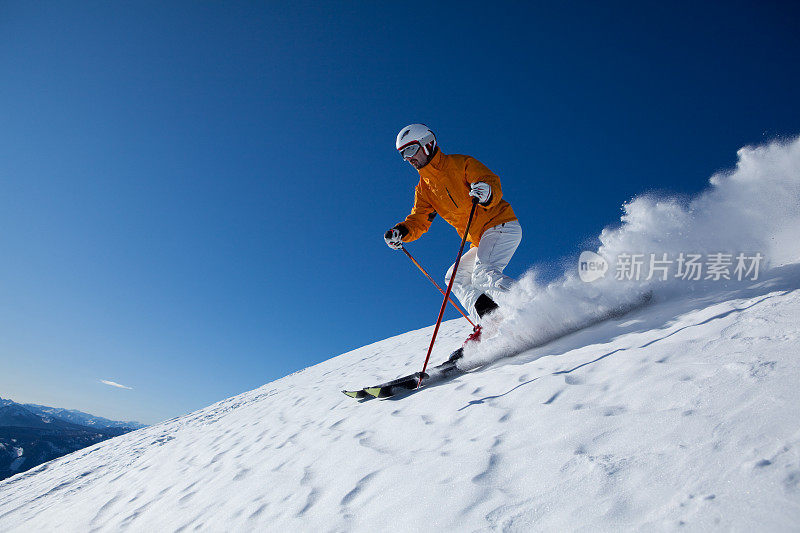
x=482 y=400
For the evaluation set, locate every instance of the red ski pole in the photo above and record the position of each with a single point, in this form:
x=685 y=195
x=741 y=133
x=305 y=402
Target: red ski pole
x=447 y=294
x=437 y=285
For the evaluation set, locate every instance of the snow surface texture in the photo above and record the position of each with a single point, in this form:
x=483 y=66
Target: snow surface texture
x=680 y=415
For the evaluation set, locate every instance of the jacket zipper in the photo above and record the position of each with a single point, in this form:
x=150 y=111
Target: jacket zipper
x=451 y=198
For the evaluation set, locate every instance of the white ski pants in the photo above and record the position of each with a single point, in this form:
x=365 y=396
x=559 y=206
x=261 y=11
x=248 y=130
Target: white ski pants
x=481 y=269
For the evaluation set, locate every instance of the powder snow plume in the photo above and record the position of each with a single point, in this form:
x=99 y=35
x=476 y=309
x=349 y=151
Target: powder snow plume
x=754 y=208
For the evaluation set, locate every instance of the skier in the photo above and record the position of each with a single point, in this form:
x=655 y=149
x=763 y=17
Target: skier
x=446 y=187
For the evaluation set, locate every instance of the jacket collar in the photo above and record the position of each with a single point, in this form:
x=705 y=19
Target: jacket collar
x=436 y=163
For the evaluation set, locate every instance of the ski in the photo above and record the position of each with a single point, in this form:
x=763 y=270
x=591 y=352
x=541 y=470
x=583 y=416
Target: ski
x=391 y=388
x=402 y=384
x=357 y=394
x=384 y=390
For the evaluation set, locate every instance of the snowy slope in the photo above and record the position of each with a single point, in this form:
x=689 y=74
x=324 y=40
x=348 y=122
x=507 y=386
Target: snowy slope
x=682 y=413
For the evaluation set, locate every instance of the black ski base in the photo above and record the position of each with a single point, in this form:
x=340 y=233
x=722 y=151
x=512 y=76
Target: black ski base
x=408 y=383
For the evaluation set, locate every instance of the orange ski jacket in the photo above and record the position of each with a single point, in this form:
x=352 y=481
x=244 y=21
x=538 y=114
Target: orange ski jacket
x=443 y=189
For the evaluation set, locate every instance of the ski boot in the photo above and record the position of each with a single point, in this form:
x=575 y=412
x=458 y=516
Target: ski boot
x=475 y=336
x=483 y=306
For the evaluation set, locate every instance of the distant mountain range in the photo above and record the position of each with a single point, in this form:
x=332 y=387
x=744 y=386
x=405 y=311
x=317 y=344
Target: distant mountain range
x=34 y=434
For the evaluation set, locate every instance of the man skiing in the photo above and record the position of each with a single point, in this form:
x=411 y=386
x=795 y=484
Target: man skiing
x=446 y=187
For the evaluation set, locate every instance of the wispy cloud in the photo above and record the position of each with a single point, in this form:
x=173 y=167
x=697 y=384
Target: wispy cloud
x=114 y=384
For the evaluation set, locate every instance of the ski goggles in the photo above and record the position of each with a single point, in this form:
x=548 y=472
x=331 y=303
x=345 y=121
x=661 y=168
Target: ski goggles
x=410 y=150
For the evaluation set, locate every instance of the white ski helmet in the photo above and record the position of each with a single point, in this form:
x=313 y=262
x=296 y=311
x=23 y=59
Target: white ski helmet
x=419 y=134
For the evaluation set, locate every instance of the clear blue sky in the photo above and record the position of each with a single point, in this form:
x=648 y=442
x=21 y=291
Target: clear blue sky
x=193 y=194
